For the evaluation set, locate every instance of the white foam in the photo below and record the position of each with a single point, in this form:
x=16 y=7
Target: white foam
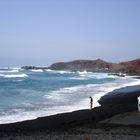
x=92 y=75
x=13 y=75
x=79 y=78
x=83 y=73
x=9 y=71
x=63 y=72
x=88 y=75
x=58 y=71
x=19 y=116
x=37 y=70
x=102 y=76
x=84 y=91
x=20 y=80
x=48 y=70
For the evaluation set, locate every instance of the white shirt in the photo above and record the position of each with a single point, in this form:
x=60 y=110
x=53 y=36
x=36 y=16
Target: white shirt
x=138 y=103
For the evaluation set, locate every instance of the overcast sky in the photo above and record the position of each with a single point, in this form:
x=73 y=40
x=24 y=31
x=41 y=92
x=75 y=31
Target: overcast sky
x=41 y=32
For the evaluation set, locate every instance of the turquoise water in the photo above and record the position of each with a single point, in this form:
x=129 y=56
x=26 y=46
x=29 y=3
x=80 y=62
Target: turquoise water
x=31 y=94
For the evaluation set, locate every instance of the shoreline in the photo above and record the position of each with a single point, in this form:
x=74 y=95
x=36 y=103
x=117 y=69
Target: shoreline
x=128 y=93
x=99 y=96
x=55 y=121
x=82 y=124
x=120 y=120
x=124 y=90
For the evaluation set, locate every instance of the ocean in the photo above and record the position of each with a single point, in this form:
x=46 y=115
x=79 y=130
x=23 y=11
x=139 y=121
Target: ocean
x=28 y=94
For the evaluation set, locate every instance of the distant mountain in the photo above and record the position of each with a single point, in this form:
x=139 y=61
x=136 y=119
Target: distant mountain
x=98 y=65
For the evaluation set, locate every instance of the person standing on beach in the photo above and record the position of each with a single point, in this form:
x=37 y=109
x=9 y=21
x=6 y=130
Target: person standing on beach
x=91 y=102
x=139 y=104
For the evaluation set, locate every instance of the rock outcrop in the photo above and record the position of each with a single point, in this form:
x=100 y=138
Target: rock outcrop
x=29 y=67
x=81 y=65
x=123 y=96
x=32 y=68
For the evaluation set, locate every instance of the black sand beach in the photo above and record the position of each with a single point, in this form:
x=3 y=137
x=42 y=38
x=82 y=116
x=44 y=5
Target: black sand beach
x=116 y=120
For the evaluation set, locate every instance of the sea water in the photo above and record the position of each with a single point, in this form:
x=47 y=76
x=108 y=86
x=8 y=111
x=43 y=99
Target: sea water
x=28 y=94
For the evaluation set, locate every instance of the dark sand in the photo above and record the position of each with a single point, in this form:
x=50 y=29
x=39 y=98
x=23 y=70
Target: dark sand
x=84 y=124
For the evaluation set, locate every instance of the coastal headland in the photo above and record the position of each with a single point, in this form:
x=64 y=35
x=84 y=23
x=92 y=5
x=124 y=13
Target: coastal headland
x=98 y=65
x=117 y=117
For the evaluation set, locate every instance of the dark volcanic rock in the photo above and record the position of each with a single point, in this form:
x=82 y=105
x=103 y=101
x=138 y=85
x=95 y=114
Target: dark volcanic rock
x=32 y=68
x=122 y=96
x=28 y=67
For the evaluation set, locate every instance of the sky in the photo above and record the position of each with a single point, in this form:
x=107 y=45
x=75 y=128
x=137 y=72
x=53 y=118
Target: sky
x=41 y=32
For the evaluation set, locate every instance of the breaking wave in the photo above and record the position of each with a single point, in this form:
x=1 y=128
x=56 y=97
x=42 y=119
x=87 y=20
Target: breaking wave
x=88 y=75
x=13 y=75
x=58 y=71
x=37 y=70
x=9 y=71
x=84 y=91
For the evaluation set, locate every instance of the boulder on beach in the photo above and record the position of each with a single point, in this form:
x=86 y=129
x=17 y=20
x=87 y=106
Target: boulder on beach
x=126 y=95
